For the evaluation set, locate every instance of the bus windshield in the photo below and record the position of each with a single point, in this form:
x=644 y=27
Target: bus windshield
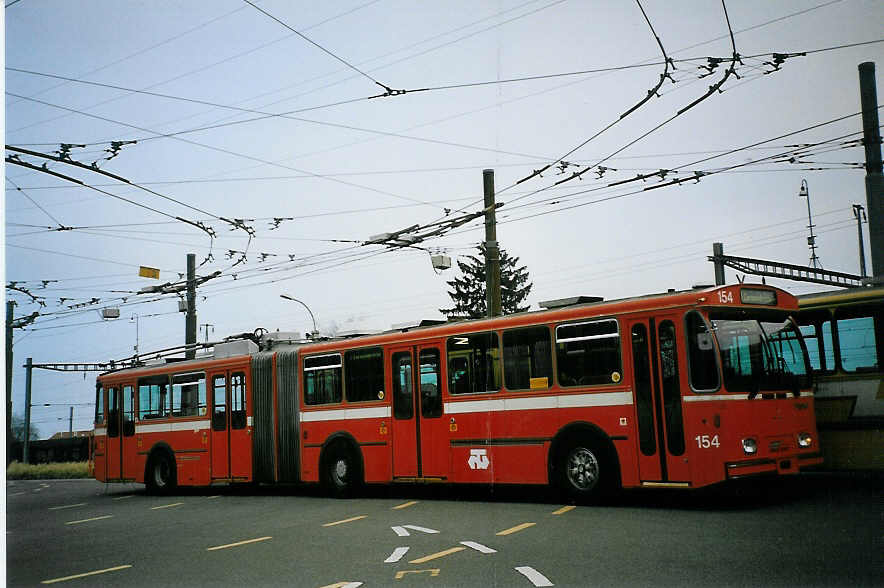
x=761 y=356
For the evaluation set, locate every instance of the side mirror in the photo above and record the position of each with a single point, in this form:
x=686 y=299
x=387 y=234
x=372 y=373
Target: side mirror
x=704 y=342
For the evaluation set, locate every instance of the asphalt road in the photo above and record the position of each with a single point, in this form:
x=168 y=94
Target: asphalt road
x=806 y=531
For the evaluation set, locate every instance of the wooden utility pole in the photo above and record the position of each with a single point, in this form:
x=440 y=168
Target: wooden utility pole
x=190 y=320
x=874 y=179
x=10 y=305
x=29 y=366
x=492 y=251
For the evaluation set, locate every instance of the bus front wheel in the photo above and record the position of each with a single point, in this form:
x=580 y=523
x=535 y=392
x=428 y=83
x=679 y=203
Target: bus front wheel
x=160 y=477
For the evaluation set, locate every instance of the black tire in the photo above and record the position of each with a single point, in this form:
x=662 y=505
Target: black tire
x=341 y=472
x=584 y=473
x=161 y=475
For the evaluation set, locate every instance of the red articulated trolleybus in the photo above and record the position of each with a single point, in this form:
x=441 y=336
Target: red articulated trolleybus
x=683 y=389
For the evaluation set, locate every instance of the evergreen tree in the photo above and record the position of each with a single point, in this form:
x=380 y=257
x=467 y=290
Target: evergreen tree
x=468 y=290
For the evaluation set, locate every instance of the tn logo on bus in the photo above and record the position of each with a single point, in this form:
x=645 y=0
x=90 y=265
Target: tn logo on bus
x=478 y=459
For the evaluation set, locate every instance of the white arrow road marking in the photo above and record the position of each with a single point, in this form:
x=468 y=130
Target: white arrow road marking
x=400 y=531
x=397 y=554
x=478 y=547
x=534 y=576
x=421 y=529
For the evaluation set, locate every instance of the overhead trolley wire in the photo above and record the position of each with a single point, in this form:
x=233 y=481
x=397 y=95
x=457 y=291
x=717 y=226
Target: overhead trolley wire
x=317 y=45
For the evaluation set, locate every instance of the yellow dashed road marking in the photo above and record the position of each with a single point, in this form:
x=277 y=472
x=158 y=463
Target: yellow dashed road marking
x=350 y=520
x=166 y=506
x=88 y=520
x=516 y=529
x=238 y=543
x=433 y=556
x=75 y=576
x=433 y=572
x=406 y=505
x=124 y=497
x=563 y=510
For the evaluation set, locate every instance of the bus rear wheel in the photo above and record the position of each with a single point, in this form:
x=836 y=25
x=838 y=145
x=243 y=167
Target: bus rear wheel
x=582 y=472
x=160 y=477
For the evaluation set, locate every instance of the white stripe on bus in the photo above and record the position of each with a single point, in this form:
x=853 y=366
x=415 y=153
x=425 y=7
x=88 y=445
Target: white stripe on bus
x=717 y=397
x=540 y=402
x=346 y=414
x=170 y=427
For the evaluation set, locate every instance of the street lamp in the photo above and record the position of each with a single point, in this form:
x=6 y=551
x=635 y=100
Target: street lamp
x=315 y=331
x=803 y=192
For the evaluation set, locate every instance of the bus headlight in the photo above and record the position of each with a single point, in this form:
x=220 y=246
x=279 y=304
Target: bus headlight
x=804 y=440
x=750 y=446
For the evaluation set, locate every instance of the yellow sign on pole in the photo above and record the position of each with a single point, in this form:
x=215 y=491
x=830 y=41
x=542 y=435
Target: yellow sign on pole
x=149 y=272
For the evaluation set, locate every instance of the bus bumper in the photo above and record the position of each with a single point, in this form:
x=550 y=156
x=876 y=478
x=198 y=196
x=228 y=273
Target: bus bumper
x=782 y=465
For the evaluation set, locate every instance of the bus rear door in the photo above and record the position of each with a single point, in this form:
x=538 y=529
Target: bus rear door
x=420 y=439
x=113 y=452
x=658 y=402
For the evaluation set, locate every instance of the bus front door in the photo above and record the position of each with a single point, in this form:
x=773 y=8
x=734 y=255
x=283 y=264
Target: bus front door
x=128 y=450
x=113 y=451
x=656 y=365
x=231 y=438
x=420 y=439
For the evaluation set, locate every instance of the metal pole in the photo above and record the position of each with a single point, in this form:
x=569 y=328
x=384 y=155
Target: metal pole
x=190 y=321
x=874 y=179
x=492 y=251
x=10 y=305
x=717 y=253
x=312 y=318
x=804 y=192
x=71 y=423
x=26 y=441
x=859 y=213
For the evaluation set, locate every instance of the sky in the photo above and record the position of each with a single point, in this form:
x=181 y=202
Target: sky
x=272 y=140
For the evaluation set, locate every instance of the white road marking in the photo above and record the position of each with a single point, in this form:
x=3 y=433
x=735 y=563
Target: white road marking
x=478 y=547
x=67 y=506
x=14 y=494
x=124 y=497
x=344 y=585
x=397 y=554
x=166 y=506
x=89 y=520
x=534 y=576
x=400 y=531
x=75 y=576
x=421 y=529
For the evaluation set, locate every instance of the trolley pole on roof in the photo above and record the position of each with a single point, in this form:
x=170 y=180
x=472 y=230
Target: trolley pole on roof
x=859 y=213
x=874 y=179
x=492 y=251
x=190 y=320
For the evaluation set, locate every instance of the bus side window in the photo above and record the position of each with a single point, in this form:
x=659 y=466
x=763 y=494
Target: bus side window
x=238 y=400
x=99 y=405
x=857 y=347
x=365 y=374
x=527 y=359
x=322 y=379
x=473 y=363
x=588 y=353
x=152 y=397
